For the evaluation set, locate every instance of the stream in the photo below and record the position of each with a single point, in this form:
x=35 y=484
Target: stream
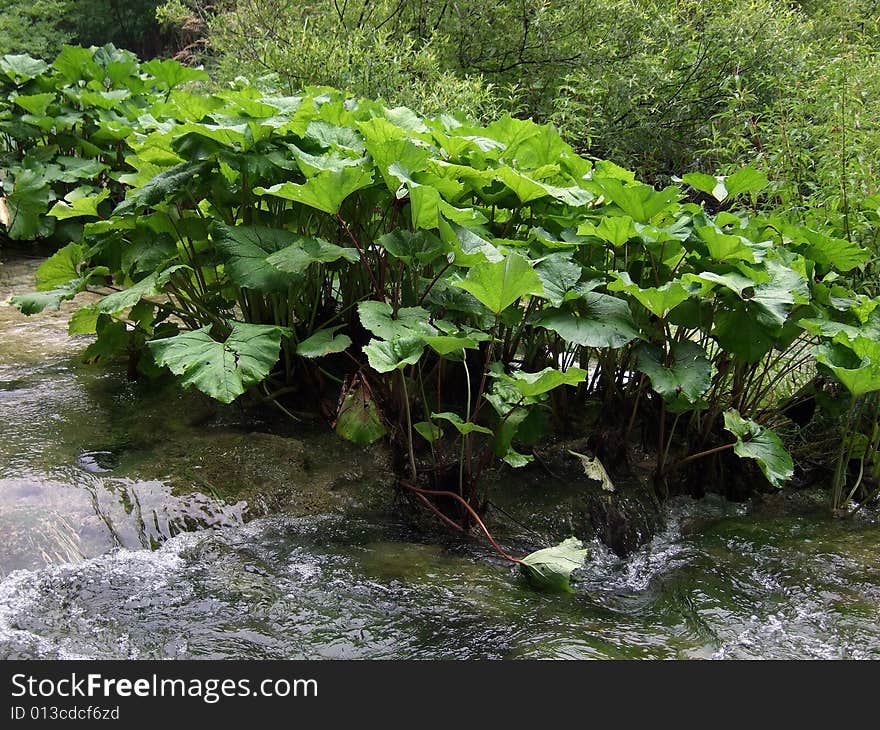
x=145 y=522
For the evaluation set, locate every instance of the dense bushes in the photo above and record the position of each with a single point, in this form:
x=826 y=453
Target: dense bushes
x=463 y=290
x=663 y=87
x=42 y=27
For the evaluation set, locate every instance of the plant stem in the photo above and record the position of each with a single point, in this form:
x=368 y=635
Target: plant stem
x=708 y=452
x=409 y=438
x=471 y=511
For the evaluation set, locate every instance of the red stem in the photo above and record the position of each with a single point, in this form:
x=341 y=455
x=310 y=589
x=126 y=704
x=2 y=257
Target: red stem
x=361 y=253
x=443 y=493
x=427 y=502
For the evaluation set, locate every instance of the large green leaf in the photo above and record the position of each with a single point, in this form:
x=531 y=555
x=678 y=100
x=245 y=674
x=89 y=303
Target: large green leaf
x=726 y=247
x=246 y=251
x=149 y=286
x=614 y=229
x=36 y=302
x=497 y=285
x=36 y=104
x=532 y=384
x=222 y=370
x=550 y=569
x=560 y=277
x=855 y=362
x=683 y=378
x=641 y=202
x=709 y=184
x=740 y=331
x=171 y=73
x=380 y=319
x=463 y=427
x=447 y=345
x=754 y=441
x=421 y=246
x=601 y=321
x=829 y=252
x=303 y=252
x=60 y=268
x=323 y=342
x=76 y=206
x=470 y=248
x=659 y=300
x=26 y=204
x=325 y=191
x=387 y=355
x=21 y=67
x=162 y=186
x=58 y=279
x=745 y=180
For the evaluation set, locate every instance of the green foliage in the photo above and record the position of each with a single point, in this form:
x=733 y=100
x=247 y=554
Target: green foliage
x=359 y=420
x=368 y=48
x=460 y=281
x=499 y=284
x=42 y=27
x=664 y=87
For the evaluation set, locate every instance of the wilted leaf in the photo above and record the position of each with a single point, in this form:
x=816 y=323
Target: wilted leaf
x=595 y=470
x=359 y=420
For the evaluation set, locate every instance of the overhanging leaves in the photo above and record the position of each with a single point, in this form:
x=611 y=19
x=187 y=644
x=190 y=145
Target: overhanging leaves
x=222 y=370
x=754 y=441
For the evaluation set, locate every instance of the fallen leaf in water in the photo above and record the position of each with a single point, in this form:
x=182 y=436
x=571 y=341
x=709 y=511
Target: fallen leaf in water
x=550 y=569
x=594 y=470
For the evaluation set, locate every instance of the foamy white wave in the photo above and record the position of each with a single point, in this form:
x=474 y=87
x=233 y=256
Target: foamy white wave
x=24 y=593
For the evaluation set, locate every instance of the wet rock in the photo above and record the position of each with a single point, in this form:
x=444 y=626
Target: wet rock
x=624 y=519
x=315 y=473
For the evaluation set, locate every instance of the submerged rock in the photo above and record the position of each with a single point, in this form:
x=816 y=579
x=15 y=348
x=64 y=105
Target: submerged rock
x=563 y=500
x=625 y=520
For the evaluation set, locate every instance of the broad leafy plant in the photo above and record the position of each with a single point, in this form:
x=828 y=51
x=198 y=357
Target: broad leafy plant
x=461 y=290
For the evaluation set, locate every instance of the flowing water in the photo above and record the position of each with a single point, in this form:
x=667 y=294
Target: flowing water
x=148 y=523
